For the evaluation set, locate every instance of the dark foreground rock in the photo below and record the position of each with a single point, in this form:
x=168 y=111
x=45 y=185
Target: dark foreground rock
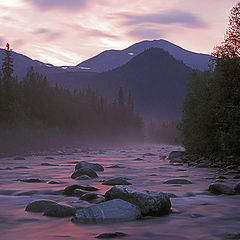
x=111 y=211
x=116 y=181
x=39 y=205
x=111 y=235
x=84 y=171
x=218 y=188
x=94 y=166
x=178 y=181
x=59 y=210
x=149 y=203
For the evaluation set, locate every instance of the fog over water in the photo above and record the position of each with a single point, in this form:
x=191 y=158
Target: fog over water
x=196 y=214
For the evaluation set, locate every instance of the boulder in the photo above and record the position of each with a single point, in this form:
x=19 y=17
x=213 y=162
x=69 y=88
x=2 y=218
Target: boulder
x=94 y=166
x=116 y=181
x=218 y=188
x=149 y=203
x=70 y=190
x=178 y=181
x=59 y=210
x=39 y=205
x=83 y=177
x=90 y=196
x=111 y=211
x=84 y=171
x=237 y=187
x=111 y=235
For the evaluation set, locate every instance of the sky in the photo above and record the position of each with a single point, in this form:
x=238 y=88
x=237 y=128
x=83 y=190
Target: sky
x=67 y=32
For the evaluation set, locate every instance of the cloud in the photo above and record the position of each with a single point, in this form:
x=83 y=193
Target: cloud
x=166 y=17
x=146 y=33
x=71 y=5
x=2 y=41
x=48 y=34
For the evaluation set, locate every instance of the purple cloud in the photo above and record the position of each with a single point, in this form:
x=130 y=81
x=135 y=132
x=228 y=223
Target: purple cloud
x=166 y=17
x=71 y=5
x=48 y=34
x=146 y=33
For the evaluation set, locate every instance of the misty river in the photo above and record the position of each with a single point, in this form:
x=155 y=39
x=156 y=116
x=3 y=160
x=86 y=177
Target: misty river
x=196 y=214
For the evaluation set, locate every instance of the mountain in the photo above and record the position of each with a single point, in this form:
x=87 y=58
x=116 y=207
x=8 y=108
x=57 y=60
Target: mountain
x=156 y=80
x=22 y=63
x=111 y=59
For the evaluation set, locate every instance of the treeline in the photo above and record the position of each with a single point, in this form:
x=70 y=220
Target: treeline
x=165 y=132
x=32 y=102
x=210 y=123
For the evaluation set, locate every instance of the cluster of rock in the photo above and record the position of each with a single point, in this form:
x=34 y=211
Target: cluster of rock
x=120 y=203
x=228 y=162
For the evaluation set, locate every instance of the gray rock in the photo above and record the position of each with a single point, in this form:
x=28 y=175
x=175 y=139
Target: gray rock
x=111 y=211
x=237 y=187
x=94 y=166
x=149 y=203
x=111 y=235
x=79 y=192
x=218 y=188
x=53 y=182
x=178 y=181
x=192 y=164
x=83 y=177
x=176 y=156
x=90 y=196
x=84 y=171
x=70 y=190
x=116 y=181
x=59 y=210
x=39 y=205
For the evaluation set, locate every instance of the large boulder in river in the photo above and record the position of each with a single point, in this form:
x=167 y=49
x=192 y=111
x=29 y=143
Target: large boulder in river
x=218 y=188
x=94 y=166
x=116 y=181
x=59 y=210
x=149 y=203
x=39 y=205
x=111 y=211
x=176 y=156
x=84 y=171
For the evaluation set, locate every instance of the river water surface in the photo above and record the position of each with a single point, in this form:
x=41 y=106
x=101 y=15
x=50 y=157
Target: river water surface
x=196 y=214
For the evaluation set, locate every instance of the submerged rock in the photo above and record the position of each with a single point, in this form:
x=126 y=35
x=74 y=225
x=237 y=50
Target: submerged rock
x=116 y=181
x=19 y=158
x=39 y=205
x=48 y=164
x=111 y=235
x=53 y=182
x=116 y=166
x=178 y=181
x=83 y=177
x=111 y=211
x=84 y=171
x=31 y=180
x=94 y=166
x=90 y=196
x=149 y=203
x=59 y=210
x=218 y=188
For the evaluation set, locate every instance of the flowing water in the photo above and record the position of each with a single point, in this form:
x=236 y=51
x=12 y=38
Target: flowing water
x=196 y=214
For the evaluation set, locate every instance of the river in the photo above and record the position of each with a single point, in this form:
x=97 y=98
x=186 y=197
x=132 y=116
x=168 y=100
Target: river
x=196 y=214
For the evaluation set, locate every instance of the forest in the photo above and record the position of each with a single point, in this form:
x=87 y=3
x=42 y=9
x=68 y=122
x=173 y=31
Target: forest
x=30 y=105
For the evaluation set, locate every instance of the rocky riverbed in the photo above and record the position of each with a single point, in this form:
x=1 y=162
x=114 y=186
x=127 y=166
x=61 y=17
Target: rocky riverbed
x=69 y=193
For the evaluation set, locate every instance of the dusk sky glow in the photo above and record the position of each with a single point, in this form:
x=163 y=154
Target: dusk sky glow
x=66 y=32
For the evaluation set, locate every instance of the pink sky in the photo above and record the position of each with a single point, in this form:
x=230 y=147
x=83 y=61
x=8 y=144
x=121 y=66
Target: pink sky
x=66 y=32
